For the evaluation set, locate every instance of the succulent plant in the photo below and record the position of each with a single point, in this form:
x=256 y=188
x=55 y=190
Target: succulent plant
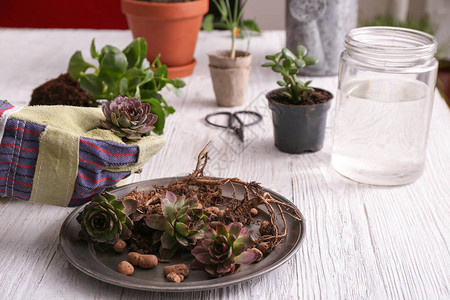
x=288 y=65
x=182 y=223
x=222 y=251
x=104 y=220
x=128 y=118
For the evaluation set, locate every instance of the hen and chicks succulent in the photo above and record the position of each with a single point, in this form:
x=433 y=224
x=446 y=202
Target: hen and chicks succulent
x=182 y=223
x=128 y=118
x=219 y=251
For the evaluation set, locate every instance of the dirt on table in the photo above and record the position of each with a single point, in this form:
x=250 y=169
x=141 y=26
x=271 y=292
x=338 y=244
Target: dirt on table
x=63 y=90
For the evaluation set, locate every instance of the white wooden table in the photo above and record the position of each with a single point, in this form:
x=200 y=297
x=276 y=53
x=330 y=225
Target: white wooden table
x=362 y=242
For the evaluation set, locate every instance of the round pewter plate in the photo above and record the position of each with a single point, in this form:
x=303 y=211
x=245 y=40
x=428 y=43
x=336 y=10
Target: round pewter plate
x=103 y=265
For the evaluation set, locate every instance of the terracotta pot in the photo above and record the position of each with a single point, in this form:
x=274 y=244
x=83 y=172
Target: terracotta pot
x=298 y=128
x=170 y=29
x=229 y=76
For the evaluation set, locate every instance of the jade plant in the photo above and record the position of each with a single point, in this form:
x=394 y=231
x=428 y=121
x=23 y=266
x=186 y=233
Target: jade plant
x=128 y=118
x=230 y=19
x=223 y=250
x=182 y=223
x=128 y=73
x=288 y=64
x=104 y=220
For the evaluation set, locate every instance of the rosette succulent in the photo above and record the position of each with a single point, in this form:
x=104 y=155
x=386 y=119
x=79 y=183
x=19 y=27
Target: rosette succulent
x=128 y=118
x=222 y=251
x=182 y=223
x=104 y=220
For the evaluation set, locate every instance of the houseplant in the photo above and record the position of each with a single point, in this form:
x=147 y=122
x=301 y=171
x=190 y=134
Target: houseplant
x=125 y=73
x=299 y=112
x=171 y=28
x=230 y=68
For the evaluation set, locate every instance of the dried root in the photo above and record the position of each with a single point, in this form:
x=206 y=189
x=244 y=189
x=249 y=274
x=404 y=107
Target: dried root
x=239 y=210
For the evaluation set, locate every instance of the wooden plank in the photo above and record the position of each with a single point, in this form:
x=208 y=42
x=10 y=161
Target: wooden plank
x=362 y=242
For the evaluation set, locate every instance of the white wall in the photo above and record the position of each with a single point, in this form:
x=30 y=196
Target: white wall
x=269 y=14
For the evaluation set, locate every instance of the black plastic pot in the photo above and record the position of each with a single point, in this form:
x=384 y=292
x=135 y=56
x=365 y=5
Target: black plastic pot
x=298 y=128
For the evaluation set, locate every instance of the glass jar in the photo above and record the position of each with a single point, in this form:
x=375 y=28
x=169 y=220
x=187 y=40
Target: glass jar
x=387 y=78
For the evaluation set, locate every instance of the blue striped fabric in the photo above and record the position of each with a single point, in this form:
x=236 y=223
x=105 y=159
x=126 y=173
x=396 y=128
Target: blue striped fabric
x=19 y=150
x=94 y=156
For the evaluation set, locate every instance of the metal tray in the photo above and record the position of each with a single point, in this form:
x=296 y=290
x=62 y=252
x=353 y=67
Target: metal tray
x=102 y=266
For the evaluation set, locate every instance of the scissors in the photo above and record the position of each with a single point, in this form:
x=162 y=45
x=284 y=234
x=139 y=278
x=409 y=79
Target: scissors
x=235 y=123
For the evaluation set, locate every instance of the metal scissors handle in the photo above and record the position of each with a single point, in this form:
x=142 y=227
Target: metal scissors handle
x=239 y=127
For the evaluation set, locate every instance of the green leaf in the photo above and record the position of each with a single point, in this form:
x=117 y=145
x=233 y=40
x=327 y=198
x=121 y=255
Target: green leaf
x=167 y=240
x=301 y=50
x=277 y=68
x=300 y=63
x=113 y=66
x=287 y=63
x=288 y=54
x=268 y=65
x=94 y=53
x=286 y=94
x=270 y=57
x=181 y=228
x=91 y=84
x=182 y=240
x=250 y=25
x=293 y=71
x=136 y=52
x=134 y=77
x=157 y=110
x=281 y=83
x=278 y=56
x=137 y=94
x=177 y=83
x=123 y=86
x=78 y=65
x=157 y=222
x=235 y=229
x=245 y=240
x=310 y=60
x=247 y=258
x=168 y=211
x=130 y=206
x=208 y=23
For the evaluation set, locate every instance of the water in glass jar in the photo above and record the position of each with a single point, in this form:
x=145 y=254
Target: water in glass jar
x=381 y=130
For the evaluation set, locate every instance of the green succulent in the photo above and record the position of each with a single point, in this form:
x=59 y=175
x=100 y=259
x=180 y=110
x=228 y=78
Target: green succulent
x=182 y=223
x=128 y=118
x=288 y=64
x=222 y=251
x=104 y=220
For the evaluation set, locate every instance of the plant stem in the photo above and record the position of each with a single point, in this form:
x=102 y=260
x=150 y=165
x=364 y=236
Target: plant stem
x=233 y=41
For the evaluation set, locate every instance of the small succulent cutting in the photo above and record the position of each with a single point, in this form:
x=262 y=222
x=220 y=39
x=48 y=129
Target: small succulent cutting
x=104 y=220
x=182 y=223
x=288 y=64
x=128 y=118
x=223 y=250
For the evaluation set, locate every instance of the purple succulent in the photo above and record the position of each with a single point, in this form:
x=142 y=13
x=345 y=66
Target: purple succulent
x=222 y=251
x=128 y=118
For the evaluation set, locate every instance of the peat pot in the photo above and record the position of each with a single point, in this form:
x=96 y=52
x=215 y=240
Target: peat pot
x=229 y=76
x=298 y=128
x=170 y=29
